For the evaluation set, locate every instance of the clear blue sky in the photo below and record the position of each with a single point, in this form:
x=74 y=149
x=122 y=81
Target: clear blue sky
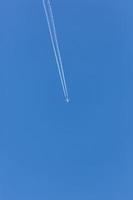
x=50 y=150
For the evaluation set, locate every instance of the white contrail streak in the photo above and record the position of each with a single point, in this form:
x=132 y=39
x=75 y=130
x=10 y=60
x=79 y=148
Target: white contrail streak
x=54 y=46
x=58 y=50
x=54 y=41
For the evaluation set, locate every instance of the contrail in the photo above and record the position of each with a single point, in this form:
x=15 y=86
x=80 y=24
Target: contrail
x=54 y=41
x=58 y=50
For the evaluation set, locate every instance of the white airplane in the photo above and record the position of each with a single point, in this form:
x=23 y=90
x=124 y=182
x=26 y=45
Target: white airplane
x=67 y=100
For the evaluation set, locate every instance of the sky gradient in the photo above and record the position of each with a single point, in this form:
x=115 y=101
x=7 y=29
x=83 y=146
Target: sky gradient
x=50 y=149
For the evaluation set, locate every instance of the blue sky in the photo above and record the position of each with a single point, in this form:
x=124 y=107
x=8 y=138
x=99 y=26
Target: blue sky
x=50 y=149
